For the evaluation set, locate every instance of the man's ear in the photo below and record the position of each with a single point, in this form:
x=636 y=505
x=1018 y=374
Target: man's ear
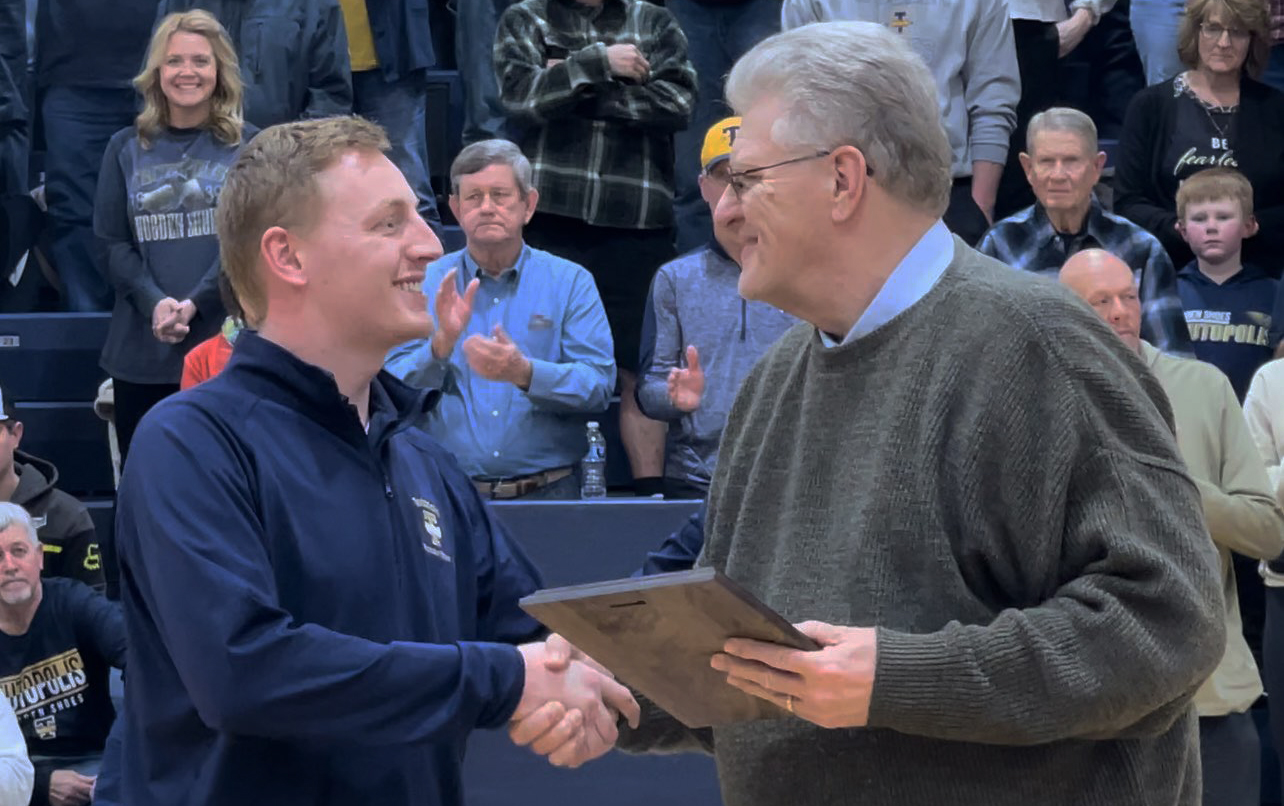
x=851 y=181
x=532 y=201
x=453 y=201
x=281 y=256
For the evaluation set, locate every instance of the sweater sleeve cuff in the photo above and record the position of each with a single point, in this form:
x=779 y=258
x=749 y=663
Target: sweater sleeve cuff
x=908 y=665
x=588 y=66
x=653 y=400
x=147 y=295
x=989 y=152
x=507 y=678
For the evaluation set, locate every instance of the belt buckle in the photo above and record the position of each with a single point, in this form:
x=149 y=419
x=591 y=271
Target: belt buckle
x=505 y=490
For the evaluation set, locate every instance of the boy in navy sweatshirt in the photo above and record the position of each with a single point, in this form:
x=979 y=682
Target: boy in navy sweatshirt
x=1228 y=303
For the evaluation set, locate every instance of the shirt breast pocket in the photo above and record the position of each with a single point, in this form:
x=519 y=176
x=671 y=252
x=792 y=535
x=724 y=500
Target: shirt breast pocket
x=541 y=340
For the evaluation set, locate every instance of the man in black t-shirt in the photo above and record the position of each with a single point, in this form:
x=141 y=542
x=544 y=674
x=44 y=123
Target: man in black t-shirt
x=58 y=638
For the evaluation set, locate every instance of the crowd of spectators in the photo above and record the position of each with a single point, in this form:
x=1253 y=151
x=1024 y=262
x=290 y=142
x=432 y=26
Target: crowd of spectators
x=596 y=260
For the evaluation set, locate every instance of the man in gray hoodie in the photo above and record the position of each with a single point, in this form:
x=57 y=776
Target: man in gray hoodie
x=694 y=303
x=969 y=47
x=63 y=525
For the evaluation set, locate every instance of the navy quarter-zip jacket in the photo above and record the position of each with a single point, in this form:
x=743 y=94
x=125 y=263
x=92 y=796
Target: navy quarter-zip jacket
x=316 y=615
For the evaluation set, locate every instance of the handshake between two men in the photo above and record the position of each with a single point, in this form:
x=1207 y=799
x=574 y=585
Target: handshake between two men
x=570 y=705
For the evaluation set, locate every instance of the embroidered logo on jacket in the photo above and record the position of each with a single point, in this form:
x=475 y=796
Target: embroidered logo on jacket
x=900 y=21
x=432 y=540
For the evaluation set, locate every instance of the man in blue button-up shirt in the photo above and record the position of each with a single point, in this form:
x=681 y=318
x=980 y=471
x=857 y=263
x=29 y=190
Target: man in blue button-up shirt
x=522 y=350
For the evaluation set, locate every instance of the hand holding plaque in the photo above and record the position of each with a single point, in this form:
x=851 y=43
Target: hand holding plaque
x=830 y=688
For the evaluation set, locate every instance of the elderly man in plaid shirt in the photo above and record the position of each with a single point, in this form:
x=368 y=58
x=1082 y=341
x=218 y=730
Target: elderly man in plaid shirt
x=1063 y=165
x=600 y=87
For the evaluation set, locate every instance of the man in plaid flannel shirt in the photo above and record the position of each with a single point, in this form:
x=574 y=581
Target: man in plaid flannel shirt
x=1063 y=165
x=1275 y=67
x=600 y=87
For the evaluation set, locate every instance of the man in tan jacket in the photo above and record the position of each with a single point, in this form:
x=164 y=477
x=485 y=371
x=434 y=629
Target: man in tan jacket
x=1239 y=507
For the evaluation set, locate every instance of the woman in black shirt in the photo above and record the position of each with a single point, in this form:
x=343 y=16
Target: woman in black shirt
x=1214 y=114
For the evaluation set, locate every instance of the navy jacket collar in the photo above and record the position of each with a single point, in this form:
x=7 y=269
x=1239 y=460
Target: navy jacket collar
x=274 y=373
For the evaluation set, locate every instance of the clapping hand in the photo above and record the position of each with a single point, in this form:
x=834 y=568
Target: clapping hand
x=498 y=359
x=686 y=386
x=452 y=313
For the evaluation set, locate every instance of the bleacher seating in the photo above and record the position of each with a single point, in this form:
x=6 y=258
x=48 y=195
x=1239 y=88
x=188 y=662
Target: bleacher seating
x=49 y=364
x=52 y=356
x=73 y=437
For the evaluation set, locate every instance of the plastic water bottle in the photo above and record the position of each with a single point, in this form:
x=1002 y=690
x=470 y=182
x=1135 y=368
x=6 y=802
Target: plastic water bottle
x=593 y=470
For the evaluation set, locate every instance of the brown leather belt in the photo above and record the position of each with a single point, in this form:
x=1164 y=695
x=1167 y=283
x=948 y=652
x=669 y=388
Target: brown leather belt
x=516 y=487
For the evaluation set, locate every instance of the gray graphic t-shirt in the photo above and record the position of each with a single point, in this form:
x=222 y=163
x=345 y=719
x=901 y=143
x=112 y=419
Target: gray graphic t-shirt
x=155 y=214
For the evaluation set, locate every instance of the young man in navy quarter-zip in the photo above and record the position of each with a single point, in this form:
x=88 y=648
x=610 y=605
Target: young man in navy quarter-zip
x=320 y=607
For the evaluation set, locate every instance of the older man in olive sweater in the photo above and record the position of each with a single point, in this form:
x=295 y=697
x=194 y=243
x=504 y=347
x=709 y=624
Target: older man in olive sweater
x=963 y=480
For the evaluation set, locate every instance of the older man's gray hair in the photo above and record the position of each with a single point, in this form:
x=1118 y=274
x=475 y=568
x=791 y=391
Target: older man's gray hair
x=1062 y=119
x=481 y=155
x=13 y=515
x=858 y=84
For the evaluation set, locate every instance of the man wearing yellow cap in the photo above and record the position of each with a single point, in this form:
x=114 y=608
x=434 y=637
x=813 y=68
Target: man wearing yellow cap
x=699 y=337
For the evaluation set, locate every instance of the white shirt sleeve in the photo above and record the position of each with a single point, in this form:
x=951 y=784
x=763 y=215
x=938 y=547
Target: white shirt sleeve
x=16 y=774
x=1266 y=425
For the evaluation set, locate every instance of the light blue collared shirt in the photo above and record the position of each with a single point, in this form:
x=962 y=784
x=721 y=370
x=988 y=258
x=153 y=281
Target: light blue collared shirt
x=551 y=309
x=908 y=283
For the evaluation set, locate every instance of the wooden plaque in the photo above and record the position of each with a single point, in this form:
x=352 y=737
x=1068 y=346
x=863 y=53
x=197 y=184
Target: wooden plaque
x=657 y=634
